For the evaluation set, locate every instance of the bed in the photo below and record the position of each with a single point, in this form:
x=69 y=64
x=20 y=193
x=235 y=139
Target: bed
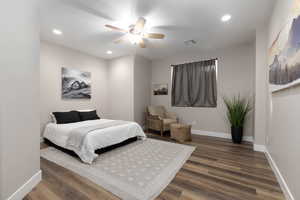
x=85 y=137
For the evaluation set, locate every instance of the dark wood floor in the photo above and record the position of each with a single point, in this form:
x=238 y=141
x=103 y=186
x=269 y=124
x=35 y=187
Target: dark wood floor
x=217 y=170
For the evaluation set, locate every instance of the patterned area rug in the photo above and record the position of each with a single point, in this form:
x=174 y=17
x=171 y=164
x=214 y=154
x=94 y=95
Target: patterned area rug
x=137 y=171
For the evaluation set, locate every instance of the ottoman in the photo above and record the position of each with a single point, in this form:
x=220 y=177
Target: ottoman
x=181 y=132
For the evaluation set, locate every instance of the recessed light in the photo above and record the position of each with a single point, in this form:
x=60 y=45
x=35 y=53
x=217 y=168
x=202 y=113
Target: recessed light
x=57 y=32
x=109 y=52
x=226 y=18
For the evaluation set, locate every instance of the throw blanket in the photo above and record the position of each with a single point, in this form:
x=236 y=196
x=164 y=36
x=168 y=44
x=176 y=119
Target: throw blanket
x=76 y=139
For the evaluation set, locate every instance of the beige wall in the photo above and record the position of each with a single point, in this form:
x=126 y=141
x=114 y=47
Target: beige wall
x=129 y=87
x=142 y=87
x=235 y=75
x=52 y=59
x=283 y=134
x=19 y=105
x=261 y=86
x=121 y=88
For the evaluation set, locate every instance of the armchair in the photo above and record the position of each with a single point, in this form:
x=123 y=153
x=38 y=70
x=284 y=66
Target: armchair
x=157 y=118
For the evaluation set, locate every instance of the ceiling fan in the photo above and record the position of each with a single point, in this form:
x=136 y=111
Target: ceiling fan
x=135 y=33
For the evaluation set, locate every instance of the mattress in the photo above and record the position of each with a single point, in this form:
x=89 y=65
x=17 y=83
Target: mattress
x=96 y=139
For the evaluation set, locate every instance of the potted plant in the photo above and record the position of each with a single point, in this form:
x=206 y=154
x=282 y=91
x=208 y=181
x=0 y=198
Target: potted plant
x=237 y=110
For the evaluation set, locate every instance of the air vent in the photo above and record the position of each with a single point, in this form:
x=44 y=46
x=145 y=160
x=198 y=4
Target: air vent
x=190 y=42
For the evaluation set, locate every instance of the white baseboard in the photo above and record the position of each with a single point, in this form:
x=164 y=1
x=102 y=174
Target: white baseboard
x=27 y=187
x=260 y=148
x=286 y=191
x=219 y=135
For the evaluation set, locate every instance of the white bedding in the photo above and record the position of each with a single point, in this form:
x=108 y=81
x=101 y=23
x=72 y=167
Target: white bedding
x=97 y=139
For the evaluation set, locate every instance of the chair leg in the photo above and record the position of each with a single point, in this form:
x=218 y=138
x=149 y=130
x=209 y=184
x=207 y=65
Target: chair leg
x=161 y=132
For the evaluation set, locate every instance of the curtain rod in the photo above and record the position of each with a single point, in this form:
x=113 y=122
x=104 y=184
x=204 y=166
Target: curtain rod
x=195 y=62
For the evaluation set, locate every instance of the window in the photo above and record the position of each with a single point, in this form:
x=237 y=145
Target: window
x=195 y=84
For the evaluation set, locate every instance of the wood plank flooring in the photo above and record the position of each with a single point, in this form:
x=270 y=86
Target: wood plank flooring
x=217 y=170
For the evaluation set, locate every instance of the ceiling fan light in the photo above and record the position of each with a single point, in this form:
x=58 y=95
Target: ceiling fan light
x=134 y=39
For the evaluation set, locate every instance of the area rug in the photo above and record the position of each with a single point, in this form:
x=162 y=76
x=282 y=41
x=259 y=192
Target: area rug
x=137 y=171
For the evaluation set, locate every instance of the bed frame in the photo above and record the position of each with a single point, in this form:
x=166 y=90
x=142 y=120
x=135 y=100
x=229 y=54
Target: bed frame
x=99 y=151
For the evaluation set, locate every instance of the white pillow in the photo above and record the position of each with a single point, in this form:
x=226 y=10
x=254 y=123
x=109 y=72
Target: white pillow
x=53 y=119
x=87 y=110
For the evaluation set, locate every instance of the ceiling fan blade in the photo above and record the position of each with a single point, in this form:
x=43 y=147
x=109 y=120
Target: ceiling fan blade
x=121 y=39
x=142 y=44
x=116 y=28
x=154 y=35
x=139 y=26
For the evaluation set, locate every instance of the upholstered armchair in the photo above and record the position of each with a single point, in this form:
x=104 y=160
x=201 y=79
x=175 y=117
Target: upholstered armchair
x=158 y=119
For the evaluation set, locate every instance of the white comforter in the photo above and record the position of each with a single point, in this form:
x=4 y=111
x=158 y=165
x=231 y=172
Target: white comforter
x=96 y=139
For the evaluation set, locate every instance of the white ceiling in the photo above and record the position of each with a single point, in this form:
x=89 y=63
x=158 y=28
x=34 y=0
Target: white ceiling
x=82 y=23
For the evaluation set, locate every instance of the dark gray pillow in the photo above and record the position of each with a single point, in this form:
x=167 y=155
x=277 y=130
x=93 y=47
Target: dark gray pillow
x=91 y=115
x=67 y=117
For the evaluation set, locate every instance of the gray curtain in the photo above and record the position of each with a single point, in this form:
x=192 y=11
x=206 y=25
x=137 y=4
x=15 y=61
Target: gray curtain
x=195 y=84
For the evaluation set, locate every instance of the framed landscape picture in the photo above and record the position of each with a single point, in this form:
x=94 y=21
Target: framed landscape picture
x=160 y=89
x=76 y=84
x=284 y=54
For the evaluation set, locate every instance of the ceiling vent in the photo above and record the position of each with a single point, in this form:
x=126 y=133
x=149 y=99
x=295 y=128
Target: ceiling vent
x=190 y=42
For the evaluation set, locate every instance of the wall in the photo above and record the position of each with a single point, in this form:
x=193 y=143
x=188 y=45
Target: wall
x=284 y=136
x=52 y=59
x=261 y=87
x=235 y=75
x=129 y=87
x=121 y=88
x=19 y=105
x=142 y=87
